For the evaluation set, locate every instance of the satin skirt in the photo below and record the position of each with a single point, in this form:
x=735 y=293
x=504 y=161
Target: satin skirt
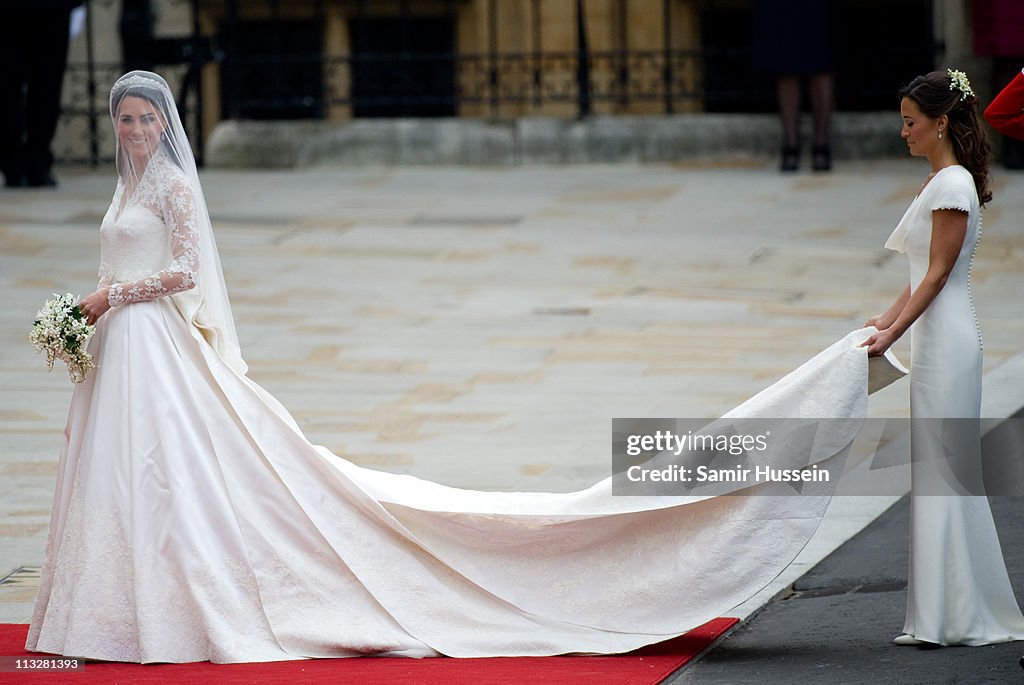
x=192 y=520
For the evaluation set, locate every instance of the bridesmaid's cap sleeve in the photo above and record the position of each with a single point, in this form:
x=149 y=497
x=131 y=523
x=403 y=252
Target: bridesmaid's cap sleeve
x=954 y=190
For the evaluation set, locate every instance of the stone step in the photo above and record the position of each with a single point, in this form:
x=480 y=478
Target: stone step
x=537 y=140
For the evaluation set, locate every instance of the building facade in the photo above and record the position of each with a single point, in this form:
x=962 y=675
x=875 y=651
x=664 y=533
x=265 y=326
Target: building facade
x=339 y=60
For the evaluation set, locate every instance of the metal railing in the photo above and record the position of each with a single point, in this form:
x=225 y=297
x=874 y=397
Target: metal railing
x=86 y=135
x=415 y=85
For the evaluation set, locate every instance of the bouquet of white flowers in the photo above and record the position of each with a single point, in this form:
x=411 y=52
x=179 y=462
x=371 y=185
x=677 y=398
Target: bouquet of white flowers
x=61 y=331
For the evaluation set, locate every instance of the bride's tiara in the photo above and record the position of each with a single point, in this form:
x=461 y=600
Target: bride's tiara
x=136 y=80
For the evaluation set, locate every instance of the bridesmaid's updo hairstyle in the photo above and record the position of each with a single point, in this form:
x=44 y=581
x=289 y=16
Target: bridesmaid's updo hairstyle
x=948 y=92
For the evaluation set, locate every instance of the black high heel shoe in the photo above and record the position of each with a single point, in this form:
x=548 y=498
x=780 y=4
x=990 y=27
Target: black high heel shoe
x=790 y=158
x=822 y=158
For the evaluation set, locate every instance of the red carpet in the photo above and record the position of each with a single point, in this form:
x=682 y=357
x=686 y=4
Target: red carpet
x=643 y=667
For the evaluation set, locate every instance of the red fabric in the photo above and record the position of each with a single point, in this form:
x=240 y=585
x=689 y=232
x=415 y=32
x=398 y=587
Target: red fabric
x=1006 y=112
x=998 y=28
x=643 y=667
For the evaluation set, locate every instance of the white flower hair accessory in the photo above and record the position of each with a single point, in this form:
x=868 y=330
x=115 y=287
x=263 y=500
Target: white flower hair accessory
x=958 y=80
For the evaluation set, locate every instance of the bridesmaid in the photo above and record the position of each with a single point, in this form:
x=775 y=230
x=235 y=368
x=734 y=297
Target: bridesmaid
x=958 y=589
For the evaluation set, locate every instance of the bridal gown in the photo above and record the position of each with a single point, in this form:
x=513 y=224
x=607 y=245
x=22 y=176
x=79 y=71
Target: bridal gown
x=959 y=591
x=192 y=519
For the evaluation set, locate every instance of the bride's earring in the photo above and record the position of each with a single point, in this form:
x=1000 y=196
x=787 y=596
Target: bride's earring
x=940 y=134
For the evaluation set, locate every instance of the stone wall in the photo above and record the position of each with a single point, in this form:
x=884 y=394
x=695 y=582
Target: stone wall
x=534 y=140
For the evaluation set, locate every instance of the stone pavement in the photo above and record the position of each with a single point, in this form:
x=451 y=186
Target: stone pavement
x=481 y=327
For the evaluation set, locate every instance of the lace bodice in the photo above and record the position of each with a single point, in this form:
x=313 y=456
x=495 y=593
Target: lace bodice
x=149 y=240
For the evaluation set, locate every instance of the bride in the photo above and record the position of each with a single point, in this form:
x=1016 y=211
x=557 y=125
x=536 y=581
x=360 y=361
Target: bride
x=192 y=520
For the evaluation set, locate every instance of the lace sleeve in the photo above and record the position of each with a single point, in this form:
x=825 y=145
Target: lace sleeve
x=178 y=206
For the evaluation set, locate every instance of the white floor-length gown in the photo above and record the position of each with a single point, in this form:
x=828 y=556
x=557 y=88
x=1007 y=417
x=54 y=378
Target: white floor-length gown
x=192 y=519
x=959 y=591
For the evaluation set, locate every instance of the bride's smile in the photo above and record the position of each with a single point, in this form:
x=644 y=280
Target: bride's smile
x=139 y=127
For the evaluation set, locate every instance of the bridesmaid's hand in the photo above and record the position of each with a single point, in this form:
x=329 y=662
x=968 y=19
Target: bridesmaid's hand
x=94 y=306
x=878 y=321
x=879 y=343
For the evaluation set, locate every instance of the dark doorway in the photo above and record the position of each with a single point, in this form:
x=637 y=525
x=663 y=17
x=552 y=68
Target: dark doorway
x=403 y=67
x=730 y=83
x=889 y=44
x=276 y=71
x=884 y=45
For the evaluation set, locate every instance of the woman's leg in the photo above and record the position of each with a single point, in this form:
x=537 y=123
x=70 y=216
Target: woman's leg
x=789 y=114
x=822 y=87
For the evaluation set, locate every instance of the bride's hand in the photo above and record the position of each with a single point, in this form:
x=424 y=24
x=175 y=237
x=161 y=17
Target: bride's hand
x=94 y=306
x=879 y=343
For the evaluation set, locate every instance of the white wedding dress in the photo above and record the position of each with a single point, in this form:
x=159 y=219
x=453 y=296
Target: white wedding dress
x=193 y=521
x=959 y=591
